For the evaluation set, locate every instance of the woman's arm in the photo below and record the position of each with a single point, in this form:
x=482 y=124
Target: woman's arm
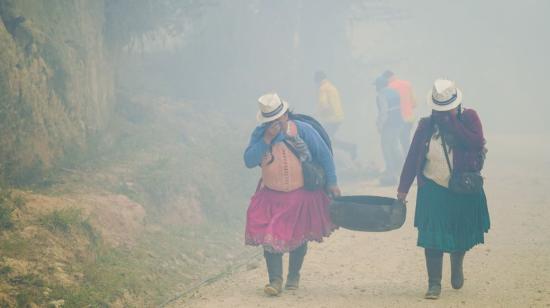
x=468 y=131
x=408 y=173
x=319 y=151
x=256 y=149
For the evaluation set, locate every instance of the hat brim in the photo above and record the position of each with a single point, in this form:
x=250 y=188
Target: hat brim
x=448 y=107
x=263 y=119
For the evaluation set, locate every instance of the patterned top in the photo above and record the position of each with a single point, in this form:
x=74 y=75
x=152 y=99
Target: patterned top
x=320 y=153
x=281 y=169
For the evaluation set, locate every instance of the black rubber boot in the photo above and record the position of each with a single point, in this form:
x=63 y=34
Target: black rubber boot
x=457 y=275
x=274 y=262
x=295 y=261
x=434 y=265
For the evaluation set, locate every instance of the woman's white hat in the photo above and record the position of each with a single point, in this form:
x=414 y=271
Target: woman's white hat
x=444 y=96
x=271 y=107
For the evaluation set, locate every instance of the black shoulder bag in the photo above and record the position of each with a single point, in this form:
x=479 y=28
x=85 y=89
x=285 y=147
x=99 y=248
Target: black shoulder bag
x=467 y=182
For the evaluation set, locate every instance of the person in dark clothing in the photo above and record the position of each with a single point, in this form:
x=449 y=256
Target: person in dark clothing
x=451 y=139
x=389 y=125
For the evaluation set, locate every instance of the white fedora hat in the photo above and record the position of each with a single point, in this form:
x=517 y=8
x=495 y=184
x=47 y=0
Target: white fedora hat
x=444 y=96
x=271 y=107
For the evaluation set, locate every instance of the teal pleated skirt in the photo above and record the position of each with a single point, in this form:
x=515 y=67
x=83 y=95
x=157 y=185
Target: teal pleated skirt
x=449 y=221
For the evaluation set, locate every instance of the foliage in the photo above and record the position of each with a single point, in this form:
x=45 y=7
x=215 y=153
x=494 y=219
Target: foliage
x=63 y=220
x=150 y=271
x=5 y=217
x=128 y=22
x=8 y=203
x=50 y=95
x=31 y=287
x=15 y=246
x=5 y=270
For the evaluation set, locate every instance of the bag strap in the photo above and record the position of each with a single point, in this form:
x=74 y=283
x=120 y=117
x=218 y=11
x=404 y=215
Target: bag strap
x=296 y=150
x=446 y=154
x=316 y=126
x=260 y=184
x=292 y=149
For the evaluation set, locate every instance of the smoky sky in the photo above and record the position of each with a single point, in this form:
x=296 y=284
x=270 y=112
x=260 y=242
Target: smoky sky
x=496 y=51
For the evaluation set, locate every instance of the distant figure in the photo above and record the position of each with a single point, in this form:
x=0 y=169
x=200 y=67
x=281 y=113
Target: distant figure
x=283 y=216
x=331 y=112
x=448 y=142
x=407 y=104
x=389 y=123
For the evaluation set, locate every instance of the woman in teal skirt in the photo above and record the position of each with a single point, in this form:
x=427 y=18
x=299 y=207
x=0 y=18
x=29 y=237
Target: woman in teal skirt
x=450 y=140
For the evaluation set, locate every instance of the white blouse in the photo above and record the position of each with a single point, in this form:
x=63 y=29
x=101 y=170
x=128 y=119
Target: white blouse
x=436 y=168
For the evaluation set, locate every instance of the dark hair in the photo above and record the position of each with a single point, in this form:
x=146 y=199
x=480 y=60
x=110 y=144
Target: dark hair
x=381 y=82
x=387 y=74
x=458 y=114
x=319 y=76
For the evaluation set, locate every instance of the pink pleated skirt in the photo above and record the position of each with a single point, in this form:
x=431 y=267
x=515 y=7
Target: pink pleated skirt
x=283 y=221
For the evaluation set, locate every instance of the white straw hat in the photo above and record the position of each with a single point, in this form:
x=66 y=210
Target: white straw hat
x=271 y=107
x=444 y=96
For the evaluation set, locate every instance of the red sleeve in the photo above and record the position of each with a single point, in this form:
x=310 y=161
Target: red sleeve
x=469 y=130
x=409 y=168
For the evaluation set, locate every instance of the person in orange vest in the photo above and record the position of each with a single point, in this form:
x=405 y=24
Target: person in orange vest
x=331 y=112
x=389 y=124
x=407 y=105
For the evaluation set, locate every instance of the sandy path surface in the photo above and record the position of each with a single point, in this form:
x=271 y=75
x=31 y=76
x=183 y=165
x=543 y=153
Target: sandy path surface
x=357 y=269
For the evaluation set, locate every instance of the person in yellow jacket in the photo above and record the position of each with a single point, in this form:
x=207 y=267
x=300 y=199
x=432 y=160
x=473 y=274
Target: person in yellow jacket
x=331 y=112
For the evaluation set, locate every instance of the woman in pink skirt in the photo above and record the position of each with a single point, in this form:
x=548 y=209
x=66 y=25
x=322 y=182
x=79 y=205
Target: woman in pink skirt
x=283 y=216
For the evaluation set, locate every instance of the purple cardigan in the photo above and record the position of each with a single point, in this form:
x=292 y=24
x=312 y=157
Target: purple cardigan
x=466 y=156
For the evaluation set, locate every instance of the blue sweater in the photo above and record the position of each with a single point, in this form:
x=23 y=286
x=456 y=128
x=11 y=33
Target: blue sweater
x=319 y=150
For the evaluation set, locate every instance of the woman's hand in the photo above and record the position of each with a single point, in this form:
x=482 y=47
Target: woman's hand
x=444 y=119
x=272 y=131
x=334 y=191
x=402 y=197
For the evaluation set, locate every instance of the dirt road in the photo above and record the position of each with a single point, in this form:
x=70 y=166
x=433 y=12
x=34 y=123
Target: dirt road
x=356 y=269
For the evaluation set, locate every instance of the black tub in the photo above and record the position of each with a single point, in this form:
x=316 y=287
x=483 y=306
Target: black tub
x=368 y=213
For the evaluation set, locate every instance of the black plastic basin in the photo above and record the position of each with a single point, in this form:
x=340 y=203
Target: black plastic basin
x=368 y=213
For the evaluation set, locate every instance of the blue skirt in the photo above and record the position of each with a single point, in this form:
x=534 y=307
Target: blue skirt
x=449 y=221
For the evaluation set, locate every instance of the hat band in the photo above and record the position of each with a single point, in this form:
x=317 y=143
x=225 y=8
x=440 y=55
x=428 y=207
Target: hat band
x=274 y=112
x=447 y=102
